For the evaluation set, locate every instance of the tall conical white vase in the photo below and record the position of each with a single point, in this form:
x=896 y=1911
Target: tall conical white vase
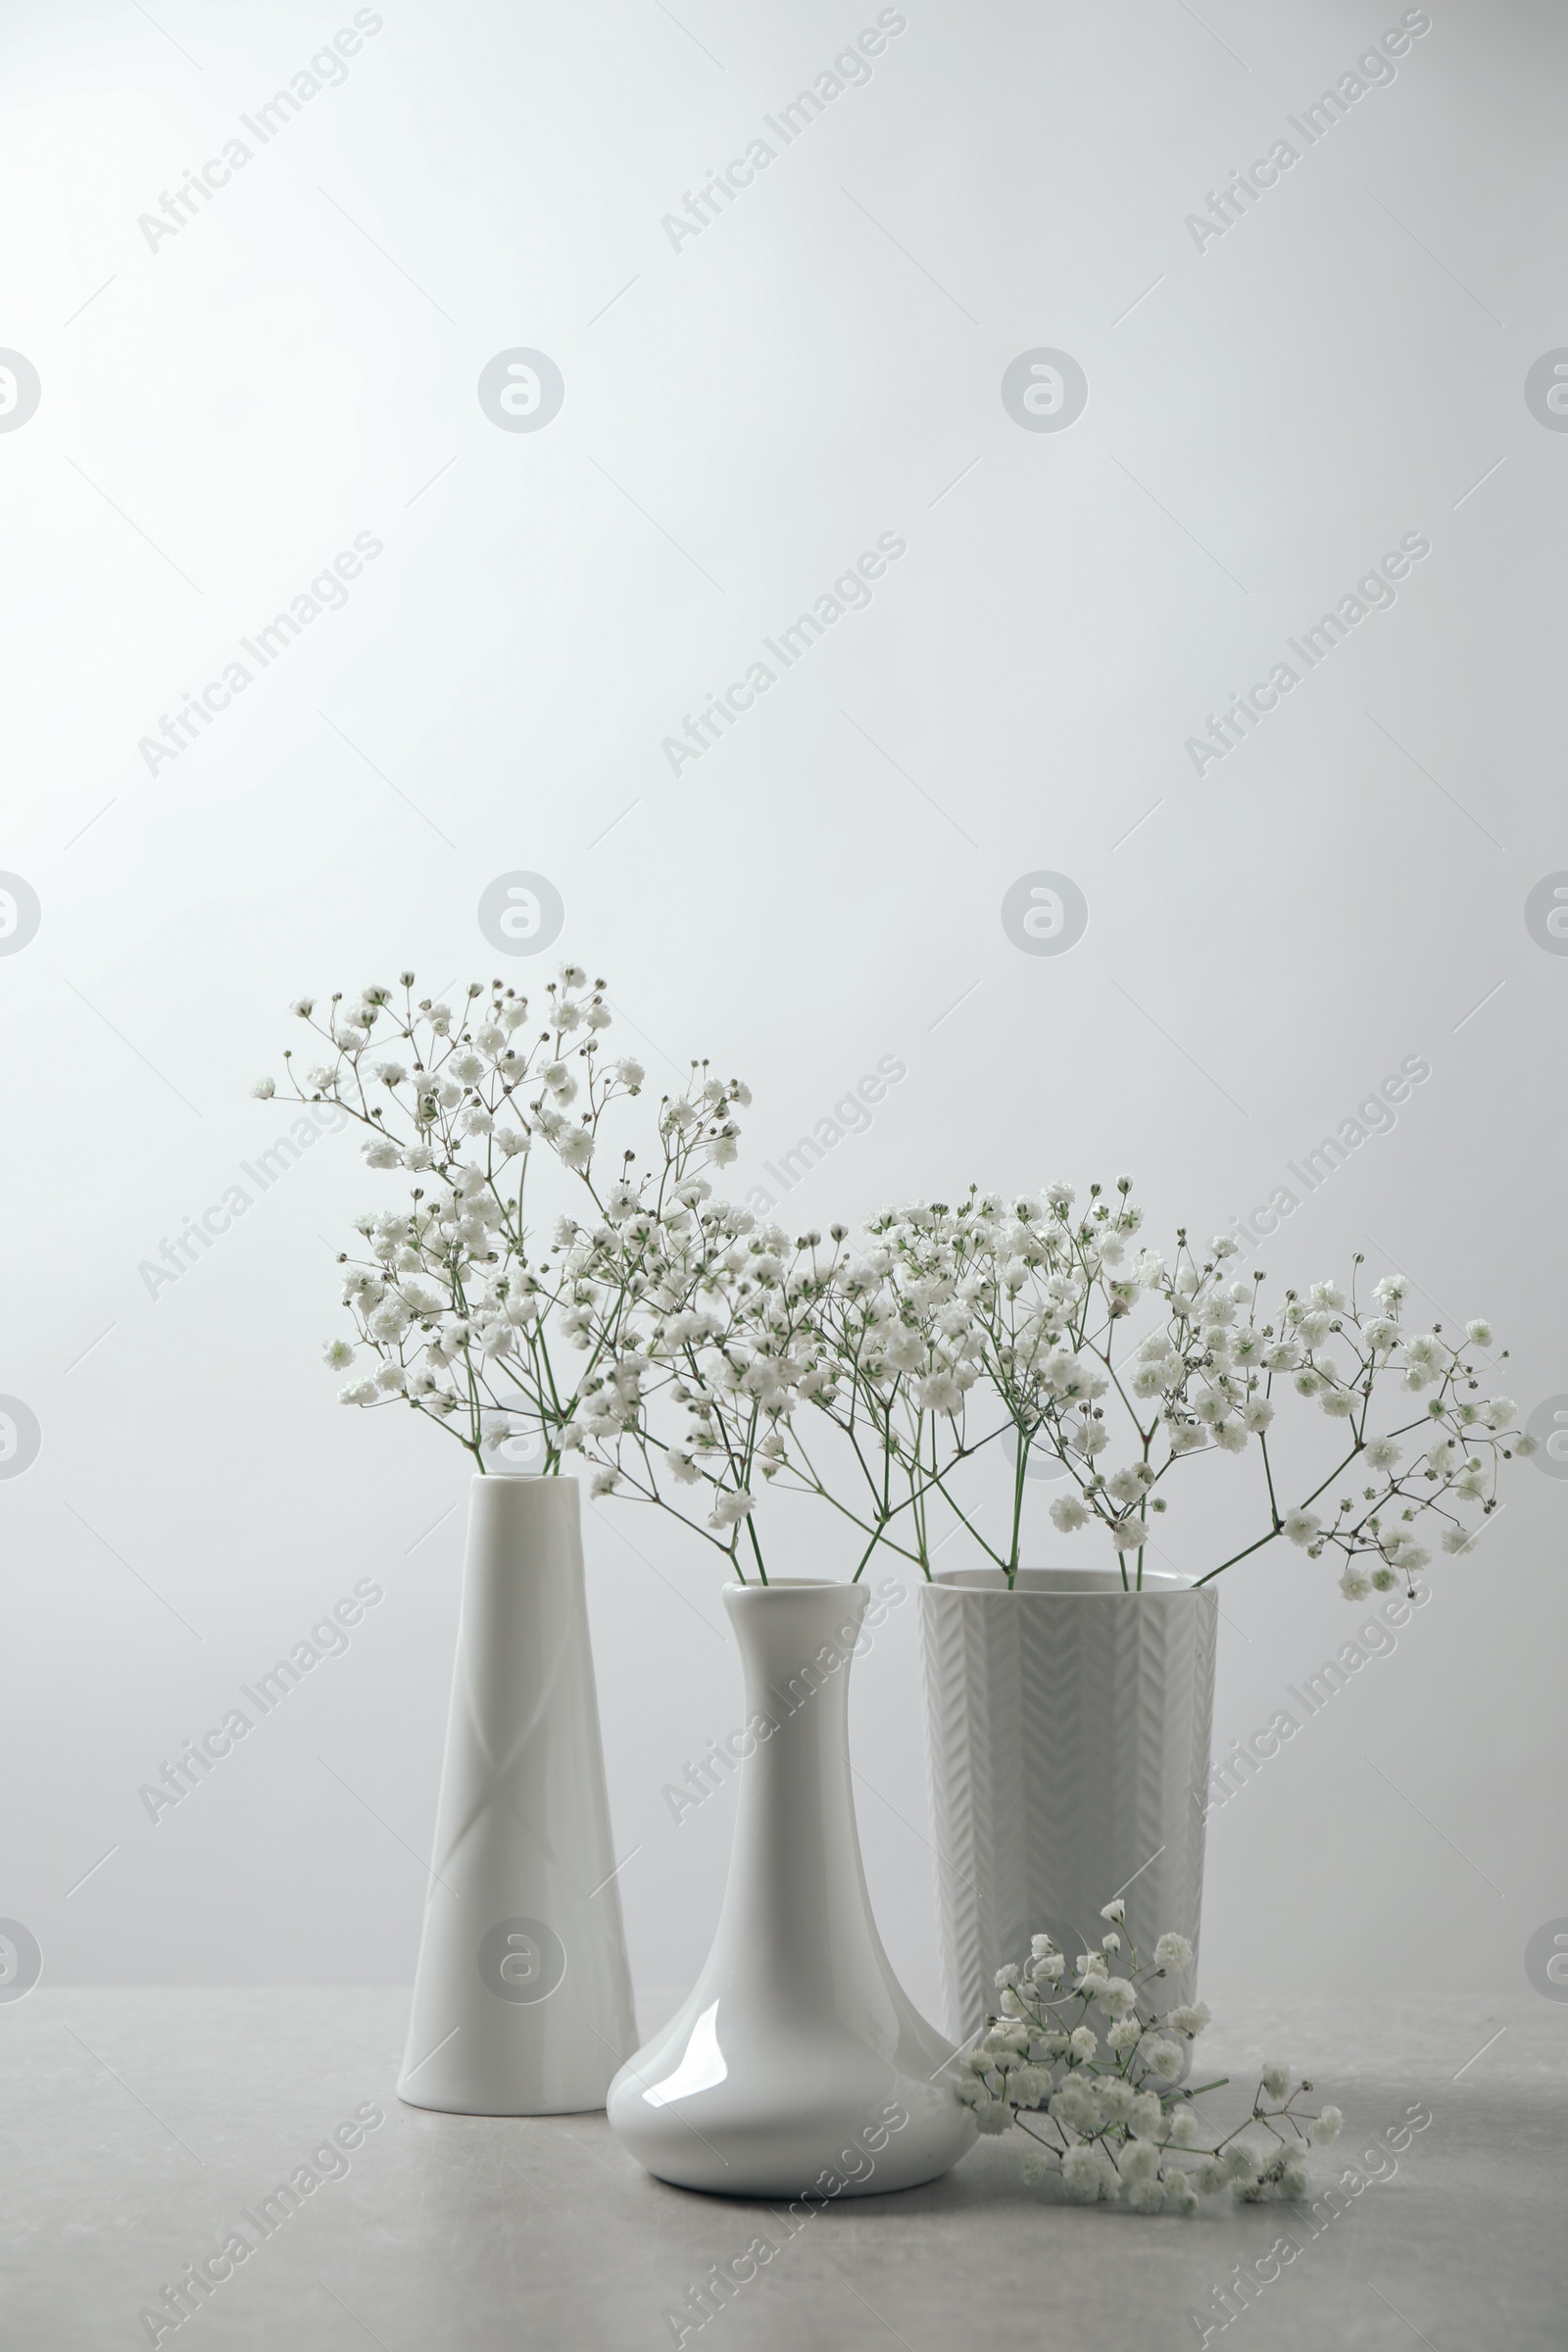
x=1068 y=1725
x=521 y=1999
x=797 y=2066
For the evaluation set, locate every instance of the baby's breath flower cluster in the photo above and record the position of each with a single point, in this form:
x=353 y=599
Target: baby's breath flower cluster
x=463 y=1312
x=712 y=1318
x=673 y=1340
x=1089 y=2071
x=1011 y=1324
x=1029 y=1306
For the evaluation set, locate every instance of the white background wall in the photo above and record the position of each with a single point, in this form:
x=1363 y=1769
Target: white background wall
x=224 y=411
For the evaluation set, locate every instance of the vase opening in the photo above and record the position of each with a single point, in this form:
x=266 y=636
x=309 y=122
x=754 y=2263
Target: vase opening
x=1063 y=1580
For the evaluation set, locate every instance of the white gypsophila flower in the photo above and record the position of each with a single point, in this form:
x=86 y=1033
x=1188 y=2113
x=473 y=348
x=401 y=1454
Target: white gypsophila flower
x=359 y=1391
x=1301 y=1526
x=1275 y=2079
x=1327 y=2126
x=1080 y=2175
x=730 y=1508
x=1083 y=2042
x=1173 y=1951
x=1114 y=1911
x=1190 y=2017
x=337 y=1355
x=1067 y=1513
x=264 y=1089
x=1118 y=2103
x=1161 y=2058
x=1355 y=1583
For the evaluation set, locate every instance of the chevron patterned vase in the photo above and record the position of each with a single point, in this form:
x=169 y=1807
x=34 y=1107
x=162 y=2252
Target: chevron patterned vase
x=1067 y=1730
x=523 y=1997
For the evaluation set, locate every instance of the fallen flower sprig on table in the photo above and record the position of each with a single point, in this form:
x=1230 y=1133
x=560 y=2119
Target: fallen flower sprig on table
x=1105 y=2108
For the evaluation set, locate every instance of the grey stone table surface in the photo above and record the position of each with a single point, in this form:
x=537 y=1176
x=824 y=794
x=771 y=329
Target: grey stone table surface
x=143 y=2127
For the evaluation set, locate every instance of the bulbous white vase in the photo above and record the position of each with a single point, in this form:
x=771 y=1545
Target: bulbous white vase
x=797 y=2066
x=522 y=1998
x=1068 y=1727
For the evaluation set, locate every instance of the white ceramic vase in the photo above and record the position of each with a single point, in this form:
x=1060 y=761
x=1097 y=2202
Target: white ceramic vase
x=1068 y=1727
x=797 y=2066
x=523 y=1999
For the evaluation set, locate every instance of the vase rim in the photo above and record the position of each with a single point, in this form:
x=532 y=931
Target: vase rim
x=796 y=1586
x=1064 y=1583
x=514 y=1478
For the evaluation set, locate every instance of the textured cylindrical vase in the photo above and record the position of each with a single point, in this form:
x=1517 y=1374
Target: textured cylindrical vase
x=522 y=1998
x=1068 y=1727
x=798 y=2066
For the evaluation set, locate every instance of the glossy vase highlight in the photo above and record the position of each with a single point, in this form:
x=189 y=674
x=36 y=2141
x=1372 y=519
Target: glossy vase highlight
x=1068 y=1727
x=521 y=1999
x=797 y=2066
